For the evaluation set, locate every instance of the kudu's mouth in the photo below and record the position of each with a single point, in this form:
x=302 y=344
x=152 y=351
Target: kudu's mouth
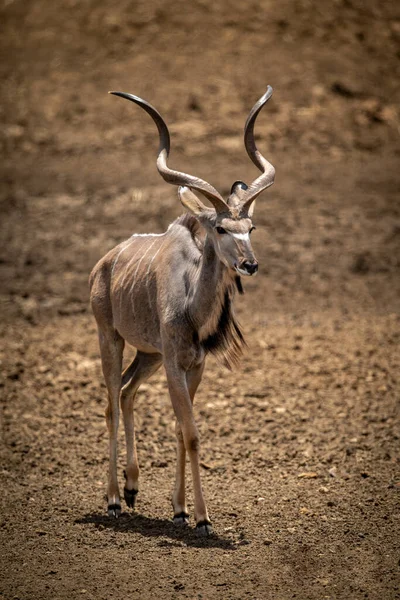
x=246 y=268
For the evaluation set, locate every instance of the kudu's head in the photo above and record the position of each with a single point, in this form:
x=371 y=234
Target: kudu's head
x=229 y=223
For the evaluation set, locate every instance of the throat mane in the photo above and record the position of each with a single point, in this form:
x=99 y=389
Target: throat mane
x=227 y=340
x=211 y=288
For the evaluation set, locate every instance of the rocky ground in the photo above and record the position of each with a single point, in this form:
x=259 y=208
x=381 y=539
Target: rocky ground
x=300 y=446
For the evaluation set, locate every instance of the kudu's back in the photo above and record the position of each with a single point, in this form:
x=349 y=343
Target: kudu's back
x=143 y=282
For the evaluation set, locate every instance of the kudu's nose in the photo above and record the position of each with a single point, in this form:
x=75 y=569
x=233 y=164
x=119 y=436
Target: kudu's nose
x=250 y=267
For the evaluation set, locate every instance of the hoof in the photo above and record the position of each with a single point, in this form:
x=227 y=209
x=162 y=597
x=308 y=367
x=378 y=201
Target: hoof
x=130 y=497
x=114 y=510
x=204 y=528
x=181 y=519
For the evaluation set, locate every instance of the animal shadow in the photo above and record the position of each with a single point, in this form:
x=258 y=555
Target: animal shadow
x=155 y=527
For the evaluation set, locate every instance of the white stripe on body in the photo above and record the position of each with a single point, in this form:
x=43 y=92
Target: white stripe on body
x=150 y=263
x=128 y=243
x=148 y=270
x=121 y=285
x=138 y=265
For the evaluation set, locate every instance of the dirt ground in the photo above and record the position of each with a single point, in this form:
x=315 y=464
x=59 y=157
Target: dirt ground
x=300 y=447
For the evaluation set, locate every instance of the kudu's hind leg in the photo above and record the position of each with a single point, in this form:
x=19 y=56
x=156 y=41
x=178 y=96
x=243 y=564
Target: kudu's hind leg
x=181 y=516
x=111 y=349
x=140 y=369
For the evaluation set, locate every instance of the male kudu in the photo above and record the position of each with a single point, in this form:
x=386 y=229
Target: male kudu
x=170 y=296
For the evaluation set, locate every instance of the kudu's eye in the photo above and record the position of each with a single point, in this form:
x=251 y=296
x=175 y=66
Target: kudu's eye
x=221 y=230
x=252 y=229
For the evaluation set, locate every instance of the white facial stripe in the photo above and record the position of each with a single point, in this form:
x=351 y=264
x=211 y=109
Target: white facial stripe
x=240 y=236
x=148 y=234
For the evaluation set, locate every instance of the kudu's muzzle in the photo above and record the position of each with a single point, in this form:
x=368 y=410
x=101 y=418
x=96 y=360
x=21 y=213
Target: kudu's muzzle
x=250 y=267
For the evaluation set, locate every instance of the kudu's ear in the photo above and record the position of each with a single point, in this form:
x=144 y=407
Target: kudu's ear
x=251 y=209
x=191 y=202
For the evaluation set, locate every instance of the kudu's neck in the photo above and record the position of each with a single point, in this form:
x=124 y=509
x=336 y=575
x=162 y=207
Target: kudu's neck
x=209 y=287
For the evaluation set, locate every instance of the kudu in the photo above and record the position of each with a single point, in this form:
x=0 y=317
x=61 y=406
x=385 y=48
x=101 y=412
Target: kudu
x=170 y=296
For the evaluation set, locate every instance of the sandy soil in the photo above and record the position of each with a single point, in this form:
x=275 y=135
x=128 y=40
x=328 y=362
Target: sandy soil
x=300 y=447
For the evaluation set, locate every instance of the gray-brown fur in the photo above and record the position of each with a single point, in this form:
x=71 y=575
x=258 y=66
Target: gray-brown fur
x=150 y=262
x=170 y=296
x=226 y=341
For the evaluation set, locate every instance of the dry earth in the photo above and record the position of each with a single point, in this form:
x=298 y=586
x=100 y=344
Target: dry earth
x=300 y=447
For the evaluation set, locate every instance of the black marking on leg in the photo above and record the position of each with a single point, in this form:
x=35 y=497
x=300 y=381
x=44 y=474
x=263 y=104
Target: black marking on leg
x=114 y=510
x=130 y=497
x=181 y=518
x=204 y=527
x=201 y=523
x=181 y=515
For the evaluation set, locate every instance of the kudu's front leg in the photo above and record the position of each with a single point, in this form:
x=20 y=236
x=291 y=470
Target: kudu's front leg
x=181 y=516
x=182 y=404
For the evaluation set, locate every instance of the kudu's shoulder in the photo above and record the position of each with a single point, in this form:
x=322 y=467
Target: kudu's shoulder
x=184 y=237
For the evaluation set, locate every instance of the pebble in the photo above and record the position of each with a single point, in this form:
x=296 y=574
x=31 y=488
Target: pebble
x=307 y=475
x=304 y=511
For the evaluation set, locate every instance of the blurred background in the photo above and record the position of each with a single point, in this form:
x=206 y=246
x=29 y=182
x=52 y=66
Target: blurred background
x=77 y=161
x=78 y=175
